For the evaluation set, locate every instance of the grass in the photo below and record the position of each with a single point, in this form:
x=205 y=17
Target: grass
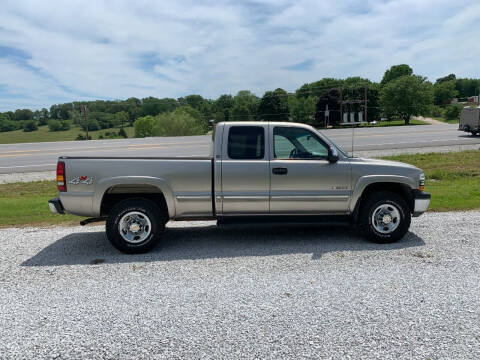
x=453 y=179
x=27 y=203
x=398 y=122
x=454 y=121
x=44 y=135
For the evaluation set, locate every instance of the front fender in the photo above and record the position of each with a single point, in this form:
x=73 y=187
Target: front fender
x=103 y=185
x=367 y=180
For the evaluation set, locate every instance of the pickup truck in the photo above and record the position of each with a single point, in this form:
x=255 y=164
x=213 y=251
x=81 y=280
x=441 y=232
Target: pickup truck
x=258 y=172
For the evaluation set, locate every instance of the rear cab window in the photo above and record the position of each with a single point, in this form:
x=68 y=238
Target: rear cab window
x=246 y=143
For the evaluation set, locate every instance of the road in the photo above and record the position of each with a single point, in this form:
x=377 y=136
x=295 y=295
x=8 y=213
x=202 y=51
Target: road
x=263 y=293
x=15 y=158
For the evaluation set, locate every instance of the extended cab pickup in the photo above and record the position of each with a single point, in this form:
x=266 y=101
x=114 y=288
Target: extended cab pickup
x=269 y=171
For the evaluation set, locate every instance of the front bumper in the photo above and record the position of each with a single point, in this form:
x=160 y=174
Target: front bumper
x=56 y=206
x=421 y=200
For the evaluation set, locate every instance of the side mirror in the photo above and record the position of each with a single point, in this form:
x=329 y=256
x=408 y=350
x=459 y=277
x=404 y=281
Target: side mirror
x=332 y=154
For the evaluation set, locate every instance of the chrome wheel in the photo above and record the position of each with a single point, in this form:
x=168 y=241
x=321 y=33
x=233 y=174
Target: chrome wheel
x=386 y=218
x=134 y=227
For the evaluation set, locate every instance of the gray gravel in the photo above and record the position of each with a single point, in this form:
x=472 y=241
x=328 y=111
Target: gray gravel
x=266 y=292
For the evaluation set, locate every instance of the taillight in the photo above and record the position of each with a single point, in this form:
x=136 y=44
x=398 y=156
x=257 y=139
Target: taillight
x=61 y=181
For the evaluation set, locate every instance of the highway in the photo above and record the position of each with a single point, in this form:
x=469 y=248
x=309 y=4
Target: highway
x=31 y=157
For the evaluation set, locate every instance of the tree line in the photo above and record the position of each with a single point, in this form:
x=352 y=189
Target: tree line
x=400 y=94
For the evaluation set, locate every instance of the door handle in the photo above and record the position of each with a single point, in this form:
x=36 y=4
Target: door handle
x=280 y=171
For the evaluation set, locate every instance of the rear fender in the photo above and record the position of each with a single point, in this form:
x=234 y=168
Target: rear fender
x=103 y=185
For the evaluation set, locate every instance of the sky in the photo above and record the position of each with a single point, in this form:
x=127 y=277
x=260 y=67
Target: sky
x=61 y=51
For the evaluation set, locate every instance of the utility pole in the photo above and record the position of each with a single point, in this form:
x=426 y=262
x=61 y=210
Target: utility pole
x=85 y=119
x=366 y=103
x=341 y=104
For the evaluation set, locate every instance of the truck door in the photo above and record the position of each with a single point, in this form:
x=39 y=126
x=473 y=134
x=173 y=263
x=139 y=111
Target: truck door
x=303 y=181
x=245 y=170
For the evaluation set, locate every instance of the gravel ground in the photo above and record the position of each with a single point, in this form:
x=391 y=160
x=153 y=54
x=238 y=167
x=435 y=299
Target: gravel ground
x=236 y=292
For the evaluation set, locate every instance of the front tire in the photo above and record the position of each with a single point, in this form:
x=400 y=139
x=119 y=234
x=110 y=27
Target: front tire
x=135 y=225
x=385 y=217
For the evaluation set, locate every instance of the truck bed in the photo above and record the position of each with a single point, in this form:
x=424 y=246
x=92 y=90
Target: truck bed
x=186 y=182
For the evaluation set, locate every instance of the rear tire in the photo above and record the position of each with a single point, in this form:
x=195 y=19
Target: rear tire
x=135 y=225
x=474 y=133
x=385 y=217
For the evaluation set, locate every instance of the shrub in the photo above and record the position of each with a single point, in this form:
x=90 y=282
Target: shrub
x=54 y=125
x=435 y=111
x=92 y=125
x=65 y=125
x=83 y=137
x=122 y=133
x=8 y=125
x=30 y=126
x=452 y=112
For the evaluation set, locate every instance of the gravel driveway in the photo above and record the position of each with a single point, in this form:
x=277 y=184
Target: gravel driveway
x=284 y=292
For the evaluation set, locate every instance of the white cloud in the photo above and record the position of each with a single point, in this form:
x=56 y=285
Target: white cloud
x=117 y=49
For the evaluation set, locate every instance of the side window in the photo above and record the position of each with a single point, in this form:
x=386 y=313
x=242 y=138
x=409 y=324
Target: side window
x=297 y=143
x=246 y=142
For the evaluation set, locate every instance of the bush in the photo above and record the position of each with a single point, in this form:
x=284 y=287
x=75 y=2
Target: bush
x=435 y=111
x=178 y=124
x=54 y=125
x=8 y=125
x=58 y=125
x=30 y=126
x=92 y=125
x=65 y=125
x=122 y=133
x=452 y=112
x=83 y=137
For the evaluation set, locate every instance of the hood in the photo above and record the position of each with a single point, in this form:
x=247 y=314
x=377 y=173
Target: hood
x=388 y=163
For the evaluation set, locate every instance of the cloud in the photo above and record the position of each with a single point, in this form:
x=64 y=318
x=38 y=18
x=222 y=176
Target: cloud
x=63 y=51
x=301 y=66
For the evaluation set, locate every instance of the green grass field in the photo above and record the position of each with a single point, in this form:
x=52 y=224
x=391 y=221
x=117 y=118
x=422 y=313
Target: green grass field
x=43 y=135
x=453 y=179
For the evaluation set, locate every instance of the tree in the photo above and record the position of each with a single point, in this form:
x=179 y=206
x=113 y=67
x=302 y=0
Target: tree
x=23 y=114
x=274 y=106
x=240 y=113
x=121 y=118
x=302 y=109
x=395 y=72
x=221 y=107
x=245 y=103
x=144 y=126
x=406 y=96
x=444 y=92
x=450 y=77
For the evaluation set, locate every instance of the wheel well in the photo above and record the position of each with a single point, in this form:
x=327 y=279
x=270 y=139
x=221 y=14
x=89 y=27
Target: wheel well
x=121 y=192
x=401 y=189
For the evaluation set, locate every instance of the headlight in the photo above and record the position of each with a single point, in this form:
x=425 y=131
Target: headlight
x=421 y=183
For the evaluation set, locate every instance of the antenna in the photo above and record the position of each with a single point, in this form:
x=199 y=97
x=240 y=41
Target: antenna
x=353 y=135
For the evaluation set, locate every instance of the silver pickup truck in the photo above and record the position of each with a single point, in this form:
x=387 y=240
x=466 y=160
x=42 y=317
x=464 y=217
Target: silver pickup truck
x=258 y=172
